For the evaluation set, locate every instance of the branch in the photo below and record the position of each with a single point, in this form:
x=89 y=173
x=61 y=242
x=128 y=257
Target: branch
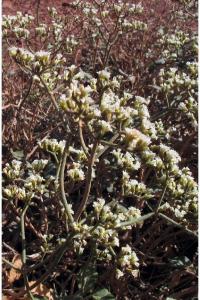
x=88 y=182
x=136 y=220
x=110 y=142
x=190 y=232
x=85 y=149
x=24 y=249
x=62 y=188
x=49 y=93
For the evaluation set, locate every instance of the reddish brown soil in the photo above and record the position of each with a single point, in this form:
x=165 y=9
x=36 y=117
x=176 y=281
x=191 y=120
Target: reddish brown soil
x=10 y=7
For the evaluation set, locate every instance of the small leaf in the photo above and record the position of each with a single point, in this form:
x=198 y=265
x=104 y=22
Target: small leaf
x=160 y=61
x=103 y=294
x=18 y=154
x=180 y=262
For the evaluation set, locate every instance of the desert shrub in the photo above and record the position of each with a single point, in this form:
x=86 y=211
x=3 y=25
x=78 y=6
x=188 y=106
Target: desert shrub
x=96 y=162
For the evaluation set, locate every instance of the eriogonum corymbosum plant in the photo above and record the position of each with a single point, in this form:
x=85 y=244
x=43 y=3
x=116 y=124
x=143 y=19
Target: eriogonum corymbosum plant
x=110 y=163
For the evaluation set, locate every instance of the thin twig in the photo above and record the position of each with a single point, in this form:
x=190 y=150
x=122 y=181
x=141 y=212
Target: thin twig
x=190 y=232
x=108 y=146
x=37 y=12
x=50 y=94
x=26 y=95
x=88 y=182
x=161 y=198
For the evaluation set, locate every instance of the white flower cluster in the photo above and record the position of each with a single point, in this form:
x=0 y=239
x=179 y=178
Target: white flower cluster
x=25 y=57
x=119 y=7
x=14 y=192
x=190 y=108
x=127 y=161
x=52 y=145
x=100 y=126
x=162 y=158
x=169 y=155
x=127 y=262
x=101 y=228
x=112 y=214
x=70 y=43
x=78 y=100
x=27 y=179
x=114 y=107
x=75 y=173
x=17 y=24
x=173 y=79
x=13 y=170
x=41 y=30
x=81 y=100
x=21 y=32
x=173 y=42
x=134 y=25
x=38 y=165
x=152 y=159
x=123 y=15
x=79 y=154
x=179 y=82
x=35 y=183
x=147 y=127
x=185 y=83
x=134 y=138
x=134 y=188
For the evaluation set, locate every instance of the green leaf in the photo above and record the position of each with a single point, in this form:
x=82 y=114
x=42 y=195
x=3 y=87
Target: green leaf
x=103 y=294
x=179 y=262
x=18 y=154
x=49 y=170
x=87 y=279
x=73 y=297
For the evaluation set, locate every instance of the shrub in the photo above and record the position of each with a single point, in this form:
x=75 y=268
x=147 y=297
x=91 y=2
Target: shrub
x=104 y=159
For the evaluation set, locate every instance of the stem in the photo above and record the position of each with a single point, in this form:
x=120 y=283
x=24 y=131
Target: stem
x=161 y=198
x=85 y=149
x=37 y=12
x=136 y=220
x=190 y=232
x=88 y=182
x=23 y=233
x=112 y=251
x=50 y=94
x=26 y=95
x=109 y=144
x=24 y=250
x=62 y=188
x=111 y=43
